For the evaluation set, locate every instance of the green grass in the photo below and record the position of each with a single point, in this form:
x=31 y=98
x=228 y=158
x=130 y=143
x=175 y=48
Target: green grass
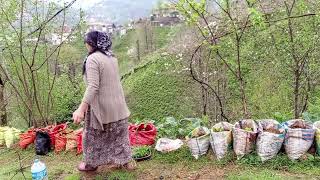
x=255 y=175
x=122 y=45
x=161 y=91
x=309 y=166
x=60 y=165
x=175 y=165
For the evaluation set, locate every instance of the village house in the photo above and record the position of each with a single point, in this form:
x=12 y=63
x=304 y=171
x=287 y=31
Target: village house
x=166 y=15
x=94 y=25
x=57 y=38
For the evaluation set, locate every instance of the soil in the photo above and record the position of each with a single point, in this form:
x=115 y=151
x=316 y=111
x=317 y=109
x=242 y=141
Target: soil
x=184 y=172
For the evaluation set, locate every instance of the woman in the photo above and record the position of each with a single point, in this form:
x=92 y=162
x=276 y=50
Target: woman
x=103 y=108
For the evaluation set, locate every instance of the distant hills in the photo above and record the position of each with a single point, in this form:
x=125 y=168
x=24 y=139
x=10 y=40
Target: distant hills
x=120 y=11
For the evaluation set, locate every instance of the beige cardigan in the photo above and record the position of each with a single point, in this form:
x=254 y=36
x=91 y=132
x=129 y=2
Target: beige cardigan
x=104 y=92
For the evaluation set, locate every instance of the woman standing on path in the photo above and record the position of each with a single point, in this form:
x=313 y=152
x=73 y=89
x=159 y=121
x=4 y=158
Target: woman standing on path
x=103 y=108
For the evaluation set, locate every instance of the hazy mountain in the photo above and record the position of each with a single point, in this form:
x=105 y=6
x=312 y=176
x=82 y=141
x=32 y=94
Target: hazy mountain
x=121 y=11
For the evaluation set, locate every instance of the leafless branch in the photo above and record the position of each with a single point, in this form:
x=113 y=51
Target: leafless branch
x=204 y=83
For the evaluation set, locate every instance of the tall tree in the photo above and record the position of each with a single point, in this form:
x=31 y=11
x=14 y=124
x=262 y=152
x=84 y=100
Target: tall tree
x=3 y=112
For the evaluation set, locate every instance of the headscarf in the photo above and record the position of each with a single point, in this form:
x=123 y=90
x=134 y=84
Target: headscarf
x=99 y=41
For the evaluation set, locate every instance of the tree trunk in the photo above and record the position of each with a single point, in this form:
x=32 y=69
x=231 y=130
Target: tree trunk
x=241 y=82
x=138 y=50
x=146 y=38
x=296 y=94
x=3 y=112
x=72 y=71
x=244 y=99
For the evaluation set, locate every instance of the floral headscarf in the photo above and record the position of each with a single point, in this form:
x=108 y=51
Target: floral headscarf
x=99 y=41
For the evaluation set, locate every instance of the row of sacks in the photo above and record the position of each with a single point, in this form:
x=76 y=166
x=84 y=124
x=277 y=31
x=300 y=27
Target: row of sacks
x=57 y=137
x=267 y=136
x=8 y=136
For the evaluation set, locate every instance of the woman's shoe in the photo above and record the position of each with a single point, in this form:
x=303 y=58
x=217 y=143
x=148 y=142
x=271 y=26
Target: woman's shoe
x=86 y=168
x=130 y=166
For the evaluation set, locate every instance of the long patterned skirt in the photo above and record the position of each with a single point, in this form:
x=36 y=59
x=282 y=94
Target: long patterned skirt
x=110 y=146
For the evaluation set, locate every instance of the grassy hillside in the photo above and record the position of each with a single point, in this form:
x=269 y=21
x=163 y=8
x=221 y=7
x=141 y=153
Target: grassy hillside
x=125 y=47
x=157 y=90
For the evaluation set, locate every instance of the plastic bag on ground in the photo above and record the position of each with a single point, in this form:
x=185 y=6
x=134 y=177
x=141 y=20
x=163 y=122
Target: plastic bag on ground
x=245 y=135
x=270 y=139
x=168 y=145
x=9 y=137
x=221 y=139
x=316 y=126
x=198 y=141
x=27 y=138
x=143 y=134
x=299 y=137
x=42 y=143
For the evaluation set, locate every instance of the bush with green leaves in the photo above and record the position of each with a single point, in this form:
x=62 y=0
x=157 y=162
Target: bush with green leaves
x=172 y=128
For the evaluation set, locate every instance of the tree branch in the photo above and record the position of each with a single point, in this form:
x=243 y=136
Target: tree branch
x=206 y=84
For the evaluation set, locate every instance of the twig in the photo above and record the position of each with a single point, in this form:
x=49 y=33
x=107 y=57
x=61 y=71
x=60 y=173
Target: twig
x=206 y=84
x=43 y=24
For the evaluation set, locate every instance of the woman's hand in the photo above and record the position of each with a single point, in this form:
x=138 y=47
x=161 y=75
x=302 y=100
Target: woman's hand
x=78 y=115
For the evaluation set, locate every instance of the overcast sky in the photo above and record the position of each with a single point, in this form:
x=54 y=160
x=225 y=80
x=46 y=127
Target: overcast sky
x=81 y=3
x=86 y=3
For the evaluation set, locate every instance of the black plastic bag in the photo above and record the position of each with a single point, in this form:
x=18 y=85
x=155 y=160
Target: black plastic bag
x=42 y=143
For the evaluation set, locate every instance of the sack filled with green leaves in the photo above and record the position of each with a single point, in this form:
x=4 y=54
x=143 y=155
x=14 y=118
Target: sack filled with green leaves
x=198 y=141
x=316 y=126
x=16 y=133
x=221 y=139
x=9 y=137
x=299 y=137
x=245 y=134
x=270 y=139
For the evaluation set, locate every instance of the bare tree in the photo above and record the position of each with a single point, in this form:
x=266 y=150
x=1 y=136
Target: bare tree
x=3 y=104
x=24 y=70
x=238 y=24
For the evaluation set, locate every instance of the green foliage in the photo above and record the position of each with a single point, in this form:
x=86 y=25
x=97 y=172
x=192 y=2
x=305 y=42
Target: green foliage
x=255 y=175
x=163 y=35
x=156 y=92
x=140 y=152
x=313 y=113
x=33 y=71
x=257 y=18
x=282 y=162
x=182 y=155
x=192 y=9
x=125 y=47
x=282 y=117
x=121 y=47
x=172 y=128
x=67 y=98
x=311 y=117
x=119 y=175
